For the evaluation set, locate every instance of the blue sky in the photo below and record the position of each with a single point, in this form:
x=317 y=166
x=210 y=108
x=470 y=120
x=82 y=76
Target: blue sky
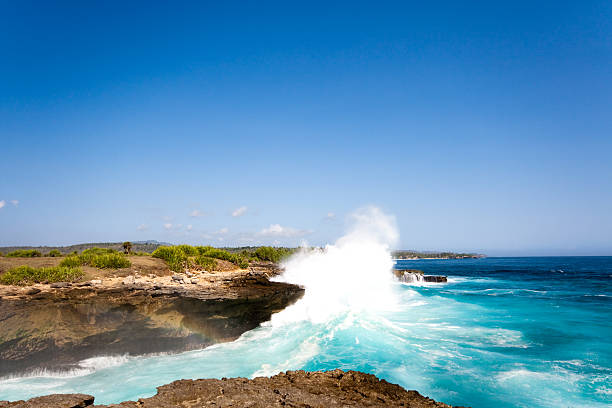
x=482 y=126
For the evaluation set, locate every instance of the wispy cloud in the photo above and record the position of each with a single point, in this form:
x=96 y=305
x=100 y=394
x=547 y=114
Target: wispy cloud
x=330 y=216
x=222 y=231
x=2 y=203
x=142 y=227
x=239 y=212
x=196 y=213
x=277 y=230
x=168 y=226
x=189 y=227
x=15 y=202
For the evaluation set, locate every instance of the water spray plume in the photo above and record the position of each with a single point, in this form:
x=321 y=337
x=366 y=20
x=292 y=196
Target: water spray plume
x=351 y=275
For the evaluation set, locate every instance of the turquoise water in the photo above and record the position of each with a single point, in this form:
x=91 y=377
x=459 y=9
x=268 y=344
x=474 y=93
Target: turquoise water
x=504 y=332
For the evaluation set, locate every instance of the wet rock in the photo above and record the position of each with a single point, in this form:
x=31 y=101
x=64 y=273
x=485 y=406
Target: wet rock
x=435 y=278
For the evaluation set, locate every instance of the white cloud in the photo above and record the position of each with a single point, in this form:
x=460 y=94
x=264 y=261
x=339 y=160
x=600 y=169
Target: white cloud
x=330 y=216
x=277 y=230
x=196 y=213
x=224 y=230
x=239 y=212
x=168 y=226
x=15 y=202
x=2 y=203
x=189 y=227
x=142 y=227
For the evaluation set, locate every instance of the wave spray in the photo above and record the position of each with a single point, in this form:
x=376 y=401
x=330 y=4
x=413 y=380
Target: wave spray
x=351 y=275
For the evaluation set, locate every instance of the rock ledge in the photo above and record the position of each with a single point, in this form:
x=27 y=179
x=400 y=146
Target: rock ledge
x=335 y=388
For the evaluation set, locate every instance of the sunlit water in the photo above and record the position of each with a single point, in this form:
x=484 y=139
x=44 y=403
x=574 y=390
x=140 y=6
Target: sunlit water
x=504 y=332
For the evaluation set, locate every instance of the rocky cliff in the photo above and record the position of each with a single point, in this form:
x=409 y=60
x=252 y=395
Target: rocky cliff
x=56 y=326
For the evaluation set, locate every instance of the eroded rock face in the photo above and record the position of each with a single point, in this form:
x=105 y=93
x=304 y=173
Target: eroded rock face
x=57 y=327
x=293 y=389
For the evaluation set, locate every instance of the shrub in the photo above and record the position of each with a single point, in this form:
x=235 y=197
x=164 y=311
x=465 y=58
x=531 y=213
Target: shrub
x=266 y=253
x=54 y=253
x=112 y=260
x=174 y=257
x=127 y=247
x=71 y=261
x=206 y=262
x=24 y=253
x=236 y=259
x=23 y=275
x=179 y=257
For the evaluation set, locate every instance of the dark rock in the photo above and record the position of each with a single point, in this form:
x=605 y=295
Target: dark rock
x=435 y=278
x=32 y=291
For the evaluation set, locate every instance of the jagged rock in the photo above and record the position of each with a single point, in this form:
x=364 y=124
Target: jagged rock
x=293 y=389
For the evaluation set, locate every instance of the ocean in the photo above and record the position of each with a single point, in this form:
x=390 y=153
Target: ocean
x=503 y=332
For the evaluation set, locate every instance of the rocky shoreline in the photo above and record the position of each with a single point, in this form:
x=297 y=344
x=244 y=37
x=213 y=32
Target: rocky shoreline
x=54 y=326
x=291 y=389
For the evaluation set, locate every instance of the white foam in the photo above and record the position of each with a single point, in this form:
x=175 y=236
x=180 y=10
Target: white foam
x=352 y=275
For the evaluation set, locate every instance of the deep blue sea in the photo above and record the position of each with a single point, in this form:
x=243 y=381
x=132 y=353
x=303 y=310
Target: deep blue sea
x=503 y=332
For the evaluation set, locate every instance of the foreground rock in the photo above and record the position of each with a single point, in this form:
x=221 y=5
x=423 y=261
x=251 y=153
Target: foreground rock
x=56 y=326
x=292 y=389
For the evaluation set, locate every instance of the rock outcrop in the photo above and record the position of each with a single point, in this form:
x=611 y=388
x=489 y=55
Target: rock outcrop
x=291 y=389
x=51 y=327
x=417 y=275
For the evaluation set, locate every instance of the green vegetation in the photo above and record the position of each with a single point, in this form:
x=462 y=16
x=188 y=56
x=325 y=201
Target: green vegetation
x=405 y=254
x=127 y=247
x=24 y=253
x=54 y=253
x=99 y=258
x=206 y=262
x=24 y=275
x=272 y=254
x=181 y=257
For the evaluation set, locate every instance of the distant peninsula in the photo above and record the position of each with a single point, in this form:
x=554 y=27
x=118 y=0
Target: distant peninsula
x=410 y=254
